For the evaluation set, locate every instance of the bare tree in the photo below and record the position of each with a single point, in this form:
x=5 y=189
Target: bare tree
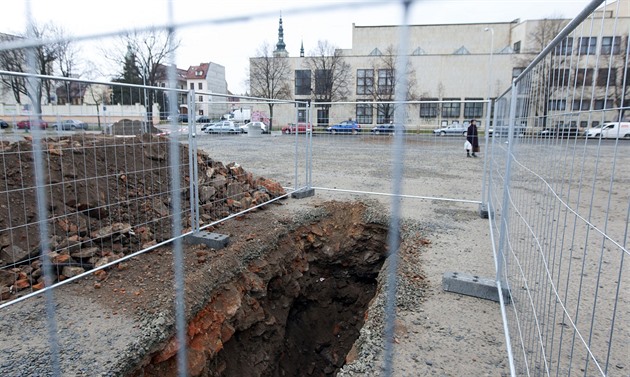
x=44 y=55
x=332 y=75
x=13 y=60
x=386 y=81
x=269 y=77
x=150 y=50
x=67 y=62
x=549 y=77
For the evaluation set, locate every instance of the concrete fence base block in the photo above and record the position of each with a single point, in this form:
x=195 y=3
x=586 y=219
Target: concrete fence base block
x=303 y=193
x=213 y=240
x=484 y=213
x=472 y=285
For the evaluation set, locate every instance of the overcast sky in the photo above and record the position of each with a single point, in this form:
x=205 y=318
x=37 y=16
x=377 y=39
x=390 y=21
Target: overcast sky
x=235 y=29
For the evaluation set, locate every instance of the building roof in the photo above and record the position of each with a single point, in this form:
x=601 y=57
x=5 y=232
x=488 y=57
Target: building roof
x=198 y=72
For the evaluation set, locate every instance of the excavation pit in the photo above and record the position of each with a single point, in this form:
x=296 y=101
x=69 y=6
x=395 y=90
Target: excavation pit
x=289 y=301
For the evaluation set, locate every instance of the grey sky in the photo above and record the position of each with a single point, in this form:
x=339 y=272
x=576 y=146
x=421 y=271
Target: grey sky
x=230 y=41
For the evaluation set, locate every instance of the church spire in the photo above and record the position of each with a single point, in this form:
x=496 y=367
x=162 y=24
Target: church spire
x=302 y=49
x=280 y=46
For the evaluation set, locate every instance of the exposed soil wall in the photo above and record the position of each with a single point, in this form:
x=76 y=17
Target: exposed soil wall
x=295 y=310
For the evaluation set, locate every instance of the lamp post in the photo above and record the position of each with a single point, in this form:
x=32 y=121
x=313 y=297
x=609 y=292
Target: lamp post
x=490 y=60
x=485 y=197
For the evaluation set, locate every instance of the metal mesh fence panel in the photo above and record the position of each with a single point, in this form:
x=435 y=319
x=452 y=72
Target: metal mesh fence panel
x=559 y=207
x=137 y=167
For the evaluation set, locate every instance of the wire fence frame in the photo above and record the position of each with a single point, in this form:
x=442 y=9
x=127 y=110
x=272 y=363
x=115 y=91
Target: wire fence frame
x=512 y=116
x=535 y=246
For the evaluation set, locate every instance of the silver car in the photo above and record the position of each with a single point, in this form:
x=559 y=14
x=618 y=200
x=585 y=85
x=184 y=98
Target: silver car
x=223 y=127
x=70 y=124
x=453 y=129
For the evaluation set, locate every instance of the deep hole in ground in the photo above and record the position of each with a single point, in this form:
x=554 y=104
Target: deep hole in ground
x=321 y=325
x=295 y=309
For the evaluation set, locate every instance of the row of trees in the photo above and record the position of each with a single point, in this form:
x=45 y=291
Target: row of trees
x=137 y=57
x=271 y=76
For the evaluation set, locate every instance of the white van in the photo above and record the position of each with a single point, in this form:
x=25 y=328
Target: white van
x=610 y=130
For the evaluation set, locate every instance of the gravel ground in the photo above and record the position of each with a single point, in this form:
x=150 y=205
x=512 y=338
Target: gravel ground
x=437 y=333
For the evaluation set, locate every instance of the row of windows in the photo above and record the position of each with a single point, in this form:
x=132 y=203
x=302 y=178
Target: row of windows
x=588 y=46
x=584 y=77
x=365 y=81
x=580 y=105
x=199 y=86
x=385 y=112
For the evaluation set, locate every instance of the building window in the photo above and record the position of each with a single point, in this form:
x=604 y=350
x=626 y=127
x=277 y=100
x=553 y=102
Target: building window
x=302 y=107
x=200 y=98
x=429 y=110
x=587 y=45
x=557 y=104
x=601 y=104
x=516 y=71
x=517 y=47
x=302 y=82
x=200 y=86
x=473 y=109
x=323 y=116
x=611 y=45
x=323 y=81
x=565 y=47
x=365 y=81
x=451 y=109
x=580 y=105
x=560 y=77
x=384 y=113
x=584 y=77
x=198 y=73
x=192 y=86
x=605 y=76
x=386 y=81
x=365 y=113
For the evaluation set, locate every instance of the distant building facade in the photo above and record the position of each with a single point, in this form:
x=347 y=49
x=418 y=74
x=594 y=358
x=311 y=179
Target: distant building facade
x=454 y=68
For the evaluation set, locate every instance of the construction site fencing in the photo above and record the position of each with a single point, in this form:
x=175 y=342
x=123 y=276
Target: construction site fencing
x=134 y=172
x=558 y=201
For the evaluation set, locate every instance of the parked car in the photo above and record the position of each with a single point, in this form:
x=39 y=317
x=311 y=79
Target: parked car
x=387 y=129
x=3 y=124
x=453 y=129
x=26 y=124
x=504 y=131
x=262 y=126
x=203 y=120
x=223 y=127
x=70 y=124
x=610 y=130
x=347 y=126
x=301 y=128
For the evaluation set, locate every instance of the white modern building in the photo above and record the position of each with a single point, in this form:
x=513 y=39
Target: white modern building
x=455 y=68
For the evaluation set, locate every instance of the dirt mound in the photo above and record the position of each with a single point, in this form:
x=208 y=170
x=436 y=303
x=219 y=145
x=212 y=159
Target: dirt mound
x=131 y=127
x=106 y=197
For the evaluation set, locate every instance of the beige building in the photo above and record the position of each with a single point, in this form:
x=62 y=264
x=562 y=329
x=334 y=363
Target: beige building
x=455 y=68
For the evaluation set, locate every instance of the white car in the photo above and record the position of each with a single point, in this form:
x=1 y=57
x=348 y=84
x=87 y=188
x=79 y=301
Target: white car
x=262 y=126
x=610 y=130
x=453 y=129
x=223 y=127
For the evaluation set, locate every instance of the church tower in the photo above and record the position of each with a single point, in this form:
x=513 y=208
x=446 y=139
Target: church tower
x=280 y=50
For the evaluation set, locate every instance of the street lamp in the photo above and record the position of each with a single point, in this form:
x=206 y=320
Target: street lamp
x=490 y=60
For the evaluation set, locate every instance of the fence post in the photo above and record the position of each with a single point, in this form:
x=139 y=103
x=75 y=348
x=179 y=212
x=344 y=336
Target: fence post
x=483 y=206
x=192 y=164
x=506 y=187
